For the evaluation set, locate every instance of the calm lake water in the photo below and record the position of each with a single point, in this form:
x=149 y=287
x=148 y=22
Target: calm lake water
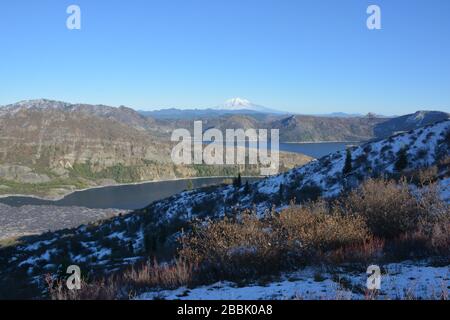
x=129 y=197
x=315 y=150
x=135 y=196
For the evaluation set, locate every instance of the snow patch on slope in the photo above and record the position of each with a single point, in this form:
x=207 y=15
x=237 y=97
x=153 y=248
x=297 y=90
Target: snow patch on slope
x=398 y=281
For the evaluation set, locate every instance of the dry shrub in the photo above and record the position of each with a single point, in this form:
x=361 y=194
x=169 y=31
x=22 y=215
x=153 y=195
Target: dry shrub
x=408 y=245
x=444 y=163
x=434 y=225
x=389 y=209
x=415 y=222
x=440 y=236
x=229 y=248
x=252 y=246
x=367 y=252
x=428 y=175
x=434 y=210
x=316 y=227
x=381 y=216
x=424 y=177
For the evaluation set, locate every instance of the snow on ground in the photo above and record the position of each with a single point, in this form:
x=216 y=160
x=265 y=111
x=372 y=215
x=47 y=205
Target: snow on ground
x=35 y=246
x=445 y=190
x=118 y=236
x=31 y=261
x=370 y=159
x=326 y=173
x=405 y=280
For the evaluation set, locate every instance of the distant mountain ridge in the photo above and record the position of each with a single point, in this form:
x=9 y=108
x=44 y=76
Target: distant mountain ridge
x=237 y=106
x=409 y=122
x=293 y=128
x=336 y=126
x=121 y=114
x=49 y=148
x=233 y=106
x=177 y=114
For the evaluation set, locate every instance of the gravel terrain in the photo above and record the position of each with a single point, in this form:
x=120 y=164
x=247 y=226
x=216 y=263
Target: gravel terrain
x=29 y=220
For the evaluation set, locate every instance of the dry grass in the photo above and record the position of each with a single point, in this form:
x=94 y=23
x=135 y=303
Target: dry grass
x=166 y=276
x=367 y=252
x=99 y=290
x=126 y=284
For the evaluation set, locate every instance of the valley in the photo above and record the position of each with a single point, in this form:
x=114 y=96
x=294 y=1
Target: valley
x=96 y=186
x=243 y=213
x=52 y=148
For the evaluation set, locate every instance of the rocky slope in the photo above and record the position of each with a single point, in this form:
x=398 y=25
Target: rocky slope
x=49 y=148
x=309 y=128
x=52 y=138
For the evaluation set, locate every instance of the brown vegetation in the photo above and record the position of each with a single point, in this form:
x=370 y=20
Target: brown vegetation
x=381 y=220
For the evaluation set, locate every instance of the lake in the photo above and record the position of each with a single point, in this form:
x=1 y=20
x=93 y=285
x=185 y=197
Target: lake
x=129 y=196
x=136 y=196
x=315 y=150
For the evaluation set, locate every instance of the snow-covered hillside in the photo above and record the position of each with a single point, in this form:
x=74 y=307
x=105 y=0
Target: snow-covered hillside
x=405 y=280
x=323 y=177
x=121 y=241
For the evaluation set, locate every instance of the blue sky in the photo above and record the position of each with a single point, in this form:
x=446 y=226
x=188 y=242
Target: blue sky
x=312 y=56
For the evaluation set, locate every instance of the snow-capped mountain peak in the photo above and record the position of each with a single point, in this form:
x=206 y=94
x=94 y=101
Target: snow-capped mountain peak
x=237 y=104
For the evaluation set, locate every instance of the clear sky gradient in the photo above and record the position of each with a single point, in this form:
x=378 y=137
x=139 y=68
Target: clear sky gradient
x=312 y=56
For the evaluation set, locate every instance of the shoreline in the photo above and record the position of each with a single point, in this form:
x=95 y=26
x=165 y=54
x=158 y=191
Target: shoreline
x=322 y=142
x=70 y=192
x=114 y=185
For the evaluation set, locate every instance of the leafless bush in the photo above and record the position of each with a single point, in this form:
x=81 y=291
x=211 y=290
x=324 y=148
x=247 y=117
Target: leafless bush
x=440 y=236
x=317 y=227
x=229 y=248
x=381 y=214
x=389 y=208
x=424 y=176
x=253 y=246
